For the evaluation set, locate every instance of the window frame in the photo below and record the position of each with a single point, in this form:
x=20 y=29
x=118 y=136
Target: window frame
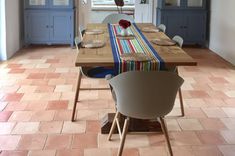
x=111 y=7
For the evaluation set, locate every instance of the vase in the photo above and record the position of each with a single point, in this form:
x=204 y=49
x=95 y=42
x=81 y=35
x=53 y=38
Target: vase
x=124 y=32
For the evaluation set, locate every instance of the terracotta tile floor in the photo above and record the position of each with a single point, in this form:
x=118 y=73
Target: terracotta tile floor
x=37 y=88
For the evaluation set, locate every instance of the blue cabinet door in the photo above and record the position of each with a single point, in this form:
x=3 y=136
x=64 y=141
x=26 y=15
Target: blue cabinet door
x=61 y=27
x=196 y=27
x=175 y=25
x=37 y=26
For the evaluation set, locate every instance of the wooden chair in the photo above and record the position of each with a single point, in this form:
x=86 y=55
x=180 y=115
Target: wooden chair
x=90 y=72
x=144 y=95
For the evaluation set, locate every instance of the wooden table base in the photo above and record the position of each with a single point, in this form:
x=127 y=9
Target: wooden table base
x=136 y=125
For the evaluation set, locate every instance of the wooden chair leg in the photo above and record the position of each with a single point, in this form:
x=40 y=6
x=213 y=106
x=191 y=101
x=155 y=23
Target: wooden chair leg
x=114 y=124
x=180 y=96
x=165 y=131
x=124 y=132
x=181 y=102
x=76 y=95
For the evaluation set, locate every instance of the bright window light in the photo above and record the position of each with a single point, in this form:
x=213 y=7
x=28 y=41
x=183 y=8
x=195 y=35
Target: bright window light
x=110 y=2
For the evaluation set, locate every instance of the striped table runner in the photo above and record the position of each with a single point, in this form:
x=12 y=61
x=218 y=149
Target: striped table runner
x=138 y=45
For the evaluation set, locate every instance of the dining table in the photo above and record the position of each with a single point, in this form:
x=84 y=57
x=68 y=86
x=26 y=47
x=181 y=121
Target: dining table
x=172 y=56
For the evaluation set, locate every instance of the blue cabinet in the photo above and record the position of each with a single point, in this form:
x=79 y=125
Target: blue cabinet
x=37 y=27
x=47 y=22
x=61 y=26
x=187 y=18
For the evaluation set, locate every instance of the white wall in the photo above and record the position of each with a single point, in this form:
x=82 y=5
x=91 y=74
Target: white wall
x=13 y=26
x=222 y=29
x=2 y=31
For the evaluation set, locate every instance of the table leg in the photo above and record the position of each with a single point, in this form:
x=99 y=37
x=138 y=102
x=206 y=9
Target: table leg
x=76 y=94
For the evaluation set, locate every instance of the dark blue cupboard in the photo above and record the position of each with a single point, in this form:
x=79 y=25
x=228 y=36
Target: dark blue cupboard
x=187 y=18
x=49 y=22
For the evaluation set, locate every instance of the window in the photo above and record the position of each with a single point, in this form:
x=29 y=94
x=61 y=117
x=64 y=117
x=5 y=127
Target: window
x=111 y=2
x=110 y=5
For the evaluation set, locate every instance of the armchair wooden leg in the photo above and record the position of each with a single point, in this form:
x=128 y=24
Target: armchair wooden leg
x=165 y=131
x=180 y=96
x=76 y=95
x=124 y=132
x=114 y=124
x=181 y=102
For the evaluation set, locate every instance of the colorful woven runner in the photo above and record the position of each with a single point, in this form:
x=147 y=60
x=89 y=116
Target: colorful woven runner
x=138 y=45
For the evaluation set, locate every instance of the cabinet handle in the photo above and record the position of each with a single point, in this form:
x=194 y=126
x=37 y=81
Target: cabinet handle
x=47 y=26
x=185 y=27
x=181 y=27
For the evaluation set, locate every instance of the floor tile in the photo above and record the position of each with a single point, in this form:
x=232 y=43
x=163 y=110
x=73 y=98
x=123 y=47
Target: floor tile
x=127 y=152
x=45 y=89
x=206 y=151
x=229 y=123
x=190 y=124
x=97 y=152
x=230 y=112
x=93 y=126
x=14 y=153
x=157 y=139
x=8 y=142
x=58 y=141
x=210 y=137
x=63 y=115
x=42 y=153
x=13 y=97
x=55 y=105
x=227 y=150
x=63 y=88
x=70 y=152
x=6 y=127
x=21 y=116
x=36 y=76
x=74 y=127
x=182 y=138
x=214 y=112
x=229 y=136
x=182 y=151
x=36 y=105
x=50 y=127
x=194 y=113
x=27 y=89
x=32 y=142
x=26 y=128
x=212 y=124
x=3 y=105
x=16 y=106
x=83 y=141
x=161 y=151
x=43 y=115
x=5 y=115
x=230 y=94
x=199 y=94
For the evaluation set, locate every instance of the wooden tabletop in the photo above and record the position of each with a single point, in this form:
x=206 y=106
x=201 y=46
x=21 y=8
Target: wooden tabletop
x=172 y=55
